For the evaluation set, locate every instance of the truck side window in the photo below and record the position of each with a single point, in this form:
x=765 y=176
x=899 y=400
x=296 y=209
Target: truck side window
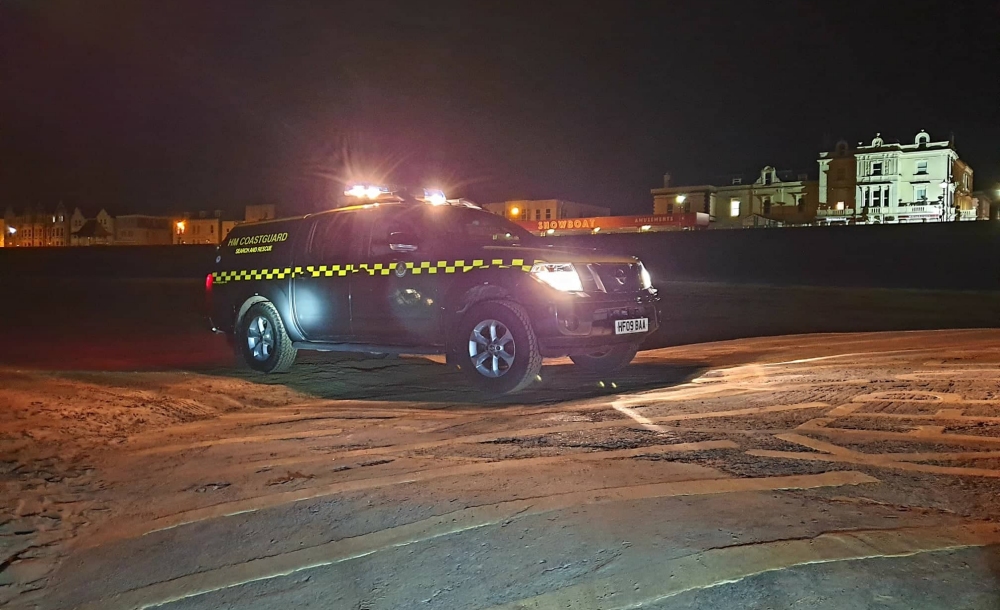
x=411 y=221
x=333 y=239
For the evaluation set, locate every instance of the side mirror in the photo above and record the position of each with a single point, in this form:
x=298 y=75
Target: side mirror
x=403 y=241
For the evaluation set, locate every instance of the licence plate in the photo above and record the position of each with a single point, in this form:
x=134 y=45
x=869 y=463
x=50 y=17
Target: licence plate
x=635 y=325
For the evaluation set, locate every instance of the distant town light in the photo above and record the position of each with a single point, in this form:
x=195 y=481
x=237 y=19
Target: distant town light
x=180 y=227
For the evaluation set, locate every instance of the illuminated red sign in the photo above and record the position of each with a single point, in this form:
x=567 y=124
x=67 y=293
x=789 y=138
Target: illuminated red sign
x=610 y=223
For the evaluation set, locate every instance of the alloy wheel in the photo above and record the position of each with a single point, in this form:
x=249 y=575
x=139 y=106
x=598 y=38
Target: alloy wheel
x=260 y=338
x=491 y=348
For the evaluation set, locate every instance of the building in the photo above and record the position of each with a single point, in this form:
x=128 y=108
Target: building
x=36 y=228
x=259 y=213
x=987 y=204
x=895 y=183
x=92 y=233
x=204 y=228
x=545 y=209
x=837 y=185
x=769 y=198
x=142 y=230
x=96 y=231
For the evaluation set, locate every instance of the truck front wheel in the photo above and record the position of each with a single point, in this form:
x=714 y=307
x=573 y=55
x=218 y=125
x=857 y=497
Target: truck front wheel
x=498 y=351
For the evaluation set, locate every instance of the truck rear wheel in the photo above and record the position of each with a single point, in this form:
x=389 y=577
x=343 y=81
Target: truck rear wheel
x=499 y=350
x=263 y=341
x=610 y=360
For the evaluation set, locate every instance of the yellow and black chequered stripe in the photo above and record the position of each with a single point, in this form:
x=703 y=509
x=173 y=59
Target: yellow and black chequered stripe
x=417 y=268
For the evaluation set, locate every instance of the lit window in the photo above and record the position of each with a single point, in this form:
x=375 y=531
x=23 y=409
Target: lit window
x=922 y=193
x=921 y=167
x=877 y=168
x=840 y=205
x=734 y=208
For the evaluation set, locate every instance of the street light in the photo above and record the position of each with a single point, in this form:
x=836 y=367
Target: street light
x=514 y=211
x=681 y=198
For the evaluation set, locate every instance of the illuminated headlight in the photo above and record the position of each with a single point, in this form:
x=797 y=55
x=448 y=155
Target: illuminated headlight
x=561 y=276
x=647 y=282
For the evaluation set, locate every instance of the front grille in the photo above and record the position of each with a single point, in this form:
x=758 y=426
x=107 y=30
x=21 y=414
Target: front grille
x=618 y=277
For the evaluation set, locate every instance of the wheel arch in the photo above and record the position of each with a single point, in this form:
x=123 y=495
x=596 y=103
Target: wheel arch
x=245 y=307
x=280 y=301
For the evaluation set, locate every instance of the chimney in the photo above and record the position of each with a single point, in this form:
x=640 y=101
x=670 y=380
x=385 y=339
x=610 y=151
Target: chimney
x=666 y=180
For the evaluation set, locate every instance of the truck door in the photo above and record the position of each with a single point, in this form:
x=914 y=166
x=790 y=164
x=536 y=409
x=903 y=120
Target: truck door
x=321 y=289
x=397 y=297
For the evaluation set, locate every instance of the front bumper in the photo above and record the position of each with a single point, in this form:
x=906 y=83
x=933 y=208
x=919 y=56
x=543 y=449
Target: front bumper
x=580 y=326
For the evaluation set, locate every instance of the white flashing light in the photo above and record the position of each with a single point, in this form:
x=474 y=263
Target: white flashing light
x=561 y=276
x=646 y=227
x=681 y=198
x=11 y=230
x=597 y=229
x=550 y=231
x=435 y=197
x=366 y=191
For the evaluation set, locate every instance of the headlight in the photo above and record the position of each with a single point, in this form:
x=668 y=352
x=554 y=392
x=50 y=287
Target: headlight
x=647 y=282
x=561 y=276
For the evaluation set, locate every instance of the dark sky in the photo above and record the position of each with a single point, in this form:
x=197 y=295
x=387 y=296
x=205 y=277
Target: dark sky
x=156 y=106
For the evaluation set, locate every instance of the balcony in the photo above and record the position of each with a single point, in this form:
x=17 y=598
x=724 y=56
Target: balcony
x=821 y=213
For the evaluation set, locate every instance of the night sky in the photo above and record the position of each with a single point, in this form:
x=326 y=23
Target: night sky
x=157 y=106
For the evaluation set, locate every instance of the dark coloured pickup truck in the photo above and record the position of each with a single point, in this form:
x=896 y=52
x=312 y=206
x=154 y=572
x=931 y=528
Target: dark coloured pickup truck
x=417 y=278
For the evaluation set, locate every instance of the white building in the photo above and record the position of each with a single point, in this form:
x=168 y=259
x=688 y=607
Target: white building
x=766 y=198
x=895 y=183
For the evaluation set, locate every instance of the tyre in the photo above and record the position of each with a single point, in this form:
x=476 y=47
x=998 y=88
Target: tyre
x=610 y=360
x=263 y=341
x=500 y=351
